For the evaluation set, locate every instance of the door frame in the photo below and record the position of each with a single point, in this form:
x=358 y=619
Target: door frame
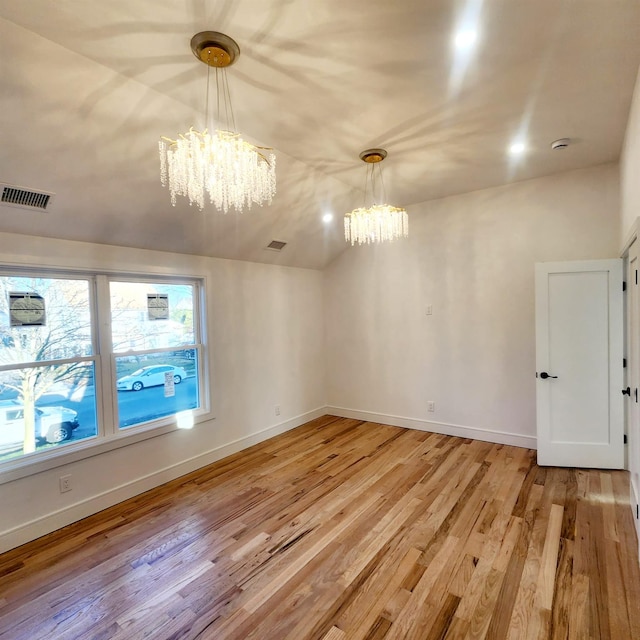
x=632 y=374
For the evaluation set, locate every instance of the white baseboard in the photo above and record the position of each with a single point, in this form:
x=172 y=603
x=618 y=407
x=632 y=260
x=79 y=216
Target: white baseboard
x=486 y=435
x=46 y=524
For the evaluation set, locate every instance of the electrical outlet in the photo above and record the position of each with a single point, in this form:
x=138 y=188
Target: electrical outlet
x=65 y=484
x=431 y=405
x=277 y=409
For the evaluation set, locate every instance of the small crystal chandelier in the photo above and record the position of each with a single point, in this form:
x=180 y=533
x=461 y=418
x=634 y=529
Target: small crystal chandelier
x=380 y=222
x=233 y=172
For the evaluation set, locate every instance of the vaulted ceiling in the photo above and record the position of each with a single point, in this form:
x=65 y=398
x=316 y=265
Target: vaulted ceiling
x=88 y=88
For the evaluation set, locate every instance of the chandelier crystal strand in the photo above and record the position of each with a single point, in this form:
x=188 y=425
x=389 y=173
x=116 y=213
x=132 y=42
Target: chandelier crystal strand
x=380 y=223
x=234 y=173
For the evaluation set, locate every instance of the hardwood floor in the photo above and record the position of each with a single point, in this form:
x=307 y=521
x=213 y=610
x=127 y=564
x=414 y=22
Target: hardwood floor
x=342 y=530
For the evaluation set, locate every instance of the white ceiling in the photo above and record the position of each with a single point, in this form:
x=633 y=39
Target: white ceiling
x=88 y=88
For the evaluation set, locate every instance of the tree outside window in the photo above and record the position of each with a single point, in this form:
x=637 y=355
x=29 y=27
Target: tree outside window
x=38 y=360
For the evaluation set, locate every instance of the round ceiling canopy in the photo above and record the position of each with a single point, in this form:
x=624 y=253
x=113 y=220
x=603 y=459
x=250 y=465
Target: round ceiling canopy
x=373 y=155
x=215 y=49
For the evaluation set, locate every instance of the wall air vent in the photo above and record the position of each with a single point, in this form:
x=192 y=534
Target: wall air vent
x=25 y=198
x=276 y=245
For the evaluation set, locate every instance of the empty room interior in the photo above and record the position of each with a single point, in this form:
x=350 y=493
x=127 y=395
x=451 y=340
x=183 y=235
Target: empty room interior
x=319 y=320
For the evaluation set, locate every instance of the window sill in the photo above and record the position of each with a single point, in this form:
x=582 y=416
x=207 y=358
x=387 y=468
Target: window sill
x=68 y=454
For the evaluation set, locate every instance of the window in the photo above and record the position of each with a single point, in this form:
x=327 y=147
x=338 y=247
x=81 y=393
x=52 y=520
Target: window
x=64 y=385
x=47 y=363
x=156 y=352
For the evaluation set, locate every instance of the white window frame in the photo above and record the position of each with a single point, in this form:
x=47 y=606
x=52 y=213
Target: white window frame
x=109 y=435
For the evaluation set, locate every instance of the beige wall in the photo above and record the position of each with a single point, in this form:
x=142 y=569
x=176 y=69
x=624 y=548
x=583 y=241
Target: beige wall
x=266 y=348
x=471 y=257
x=357 y=335
x=630 y=167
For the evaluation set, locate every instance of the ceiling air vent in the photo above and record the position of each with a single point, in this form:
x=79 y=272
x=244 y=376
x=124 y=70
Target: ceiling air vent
x=25 y=198
x=276 y=245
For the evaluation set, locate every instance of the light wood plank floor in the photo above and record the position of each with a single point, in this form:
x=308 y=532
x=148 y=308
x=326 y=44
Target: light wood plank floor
x=342 y=530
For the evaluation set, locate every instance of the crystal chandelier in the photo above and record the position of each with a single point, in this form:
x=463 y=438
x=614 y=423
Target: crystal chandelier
x=233 y=172
x=379 y=222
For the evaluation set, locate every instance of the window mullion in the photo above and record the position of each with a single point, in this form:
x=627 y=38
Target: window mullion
x=107 y=411
x=201 y=339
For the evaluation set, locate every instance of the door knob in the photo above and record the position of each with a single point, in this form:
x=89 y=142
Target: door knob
x=626 y=392
x=544 y=375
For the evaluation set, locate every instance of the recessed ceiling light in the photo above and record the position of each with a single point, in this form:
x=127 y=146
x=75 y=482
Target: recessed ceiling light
x=327 y=218
x=465 y=39
x=517 y=148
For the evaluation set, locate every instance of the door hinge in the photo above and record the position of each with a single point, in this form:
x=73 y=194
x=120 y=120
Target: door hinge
x=625 y=438
x=624 y=363
x=624 y=285
x=636 y=276
x=636 y=392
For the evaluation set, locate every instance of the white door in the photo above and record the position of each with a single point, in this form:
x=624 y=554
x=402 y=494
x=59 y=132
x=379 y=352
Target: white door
x=579 y=374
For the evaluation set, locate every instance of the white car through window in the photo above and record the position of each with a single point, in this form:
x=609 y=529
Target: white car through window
x=150 y=377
